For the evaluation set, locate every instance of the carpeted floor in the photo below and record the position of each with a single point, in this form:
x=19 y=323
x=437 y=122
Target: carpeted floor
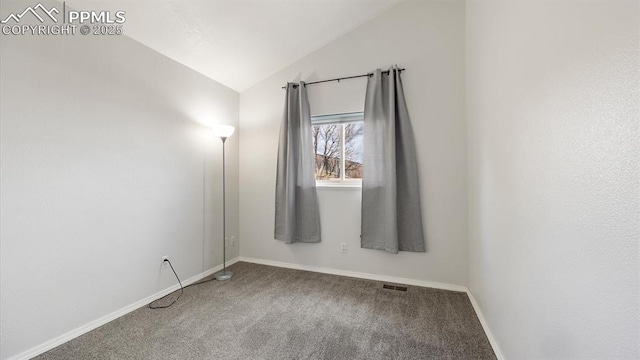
x=267 y=312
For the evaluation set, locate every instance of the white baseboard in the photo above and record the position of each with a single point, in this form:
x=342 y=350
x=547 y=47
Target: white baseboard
x=42 y=348
x=391 y=279
x=485 y=326
x=359 y=275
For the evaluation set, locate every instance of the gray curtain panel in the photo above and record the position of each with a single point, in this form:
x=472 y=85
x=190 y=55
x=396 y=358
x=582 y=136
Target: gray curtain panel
x=297 y=212
x=391 y=214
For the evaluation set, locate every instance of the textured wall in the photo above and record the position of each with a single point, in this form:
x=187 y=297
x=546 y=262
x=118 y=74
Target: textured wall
x=104 y=170
x=553 y=111
x=425 y=37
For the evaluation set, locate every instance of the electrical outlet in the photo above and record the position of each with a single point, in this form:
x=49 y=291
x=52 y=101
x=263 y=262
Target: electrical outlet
x=343 y=247
x=233 y=240
x=165 y=263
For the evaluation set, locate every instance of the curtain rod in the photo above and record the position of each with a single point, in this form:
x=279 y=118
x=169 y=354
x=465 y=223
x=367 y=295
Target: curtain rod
x=344 y=78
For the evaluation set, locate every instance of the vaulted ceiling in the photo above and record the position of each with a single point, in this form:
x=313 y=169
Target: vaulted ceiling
x=239 y=42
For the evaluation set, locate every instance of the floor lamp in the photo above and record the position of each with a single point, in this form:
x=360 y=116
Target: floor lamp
x=223 y=132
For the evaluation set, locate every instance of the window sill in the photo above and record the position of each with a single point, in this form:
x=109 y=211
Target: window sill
x=338 y=186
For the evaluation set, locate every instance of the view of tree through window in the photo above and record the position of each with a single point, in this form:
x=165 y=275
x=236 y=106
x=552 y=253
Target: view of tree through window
x=333 y=142
x=353 y=150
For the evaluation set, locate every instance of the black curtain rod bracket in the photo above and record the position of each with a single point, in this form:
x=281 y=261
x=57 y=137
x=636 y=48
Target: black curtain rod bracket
x=342 y=78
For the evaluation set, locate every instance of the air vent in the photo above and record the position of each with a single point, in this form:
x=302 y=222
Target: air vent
x=393 y=287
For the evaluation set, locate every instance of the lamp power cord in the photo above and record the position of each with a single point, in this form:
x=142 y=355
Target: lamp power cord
x=151 y=304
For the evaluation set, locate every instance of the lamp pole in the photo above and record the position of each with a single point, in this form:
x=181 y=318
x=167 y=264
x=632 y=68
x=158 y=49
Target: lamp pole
x=224 y=274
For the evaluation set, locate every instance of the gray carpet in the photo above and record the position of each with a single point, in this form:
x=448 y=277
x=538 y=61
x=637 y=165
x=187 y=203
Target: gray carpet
x=267 y=312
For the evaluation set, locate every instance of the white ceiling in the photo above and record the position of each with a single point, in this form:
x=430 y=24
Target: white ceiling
x=239 y=42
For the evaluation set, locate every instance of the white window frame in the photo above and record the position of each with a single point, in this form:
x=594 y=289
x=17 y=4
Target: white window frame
x=340 y=119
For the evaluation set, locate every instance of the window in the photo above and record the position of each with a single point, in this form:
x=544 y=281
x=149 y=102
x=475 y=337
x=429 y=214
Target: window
x=337 y=144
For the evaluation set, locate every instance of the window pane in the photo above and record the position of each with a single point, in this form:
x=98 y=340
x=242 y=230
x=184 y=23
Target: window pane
x=326 y=146
x=353 y=150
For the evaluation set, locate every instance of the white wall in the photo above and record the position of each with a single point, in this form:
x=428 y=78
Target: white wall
x=553 y=99
x=102 y=160
x=426 y=38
